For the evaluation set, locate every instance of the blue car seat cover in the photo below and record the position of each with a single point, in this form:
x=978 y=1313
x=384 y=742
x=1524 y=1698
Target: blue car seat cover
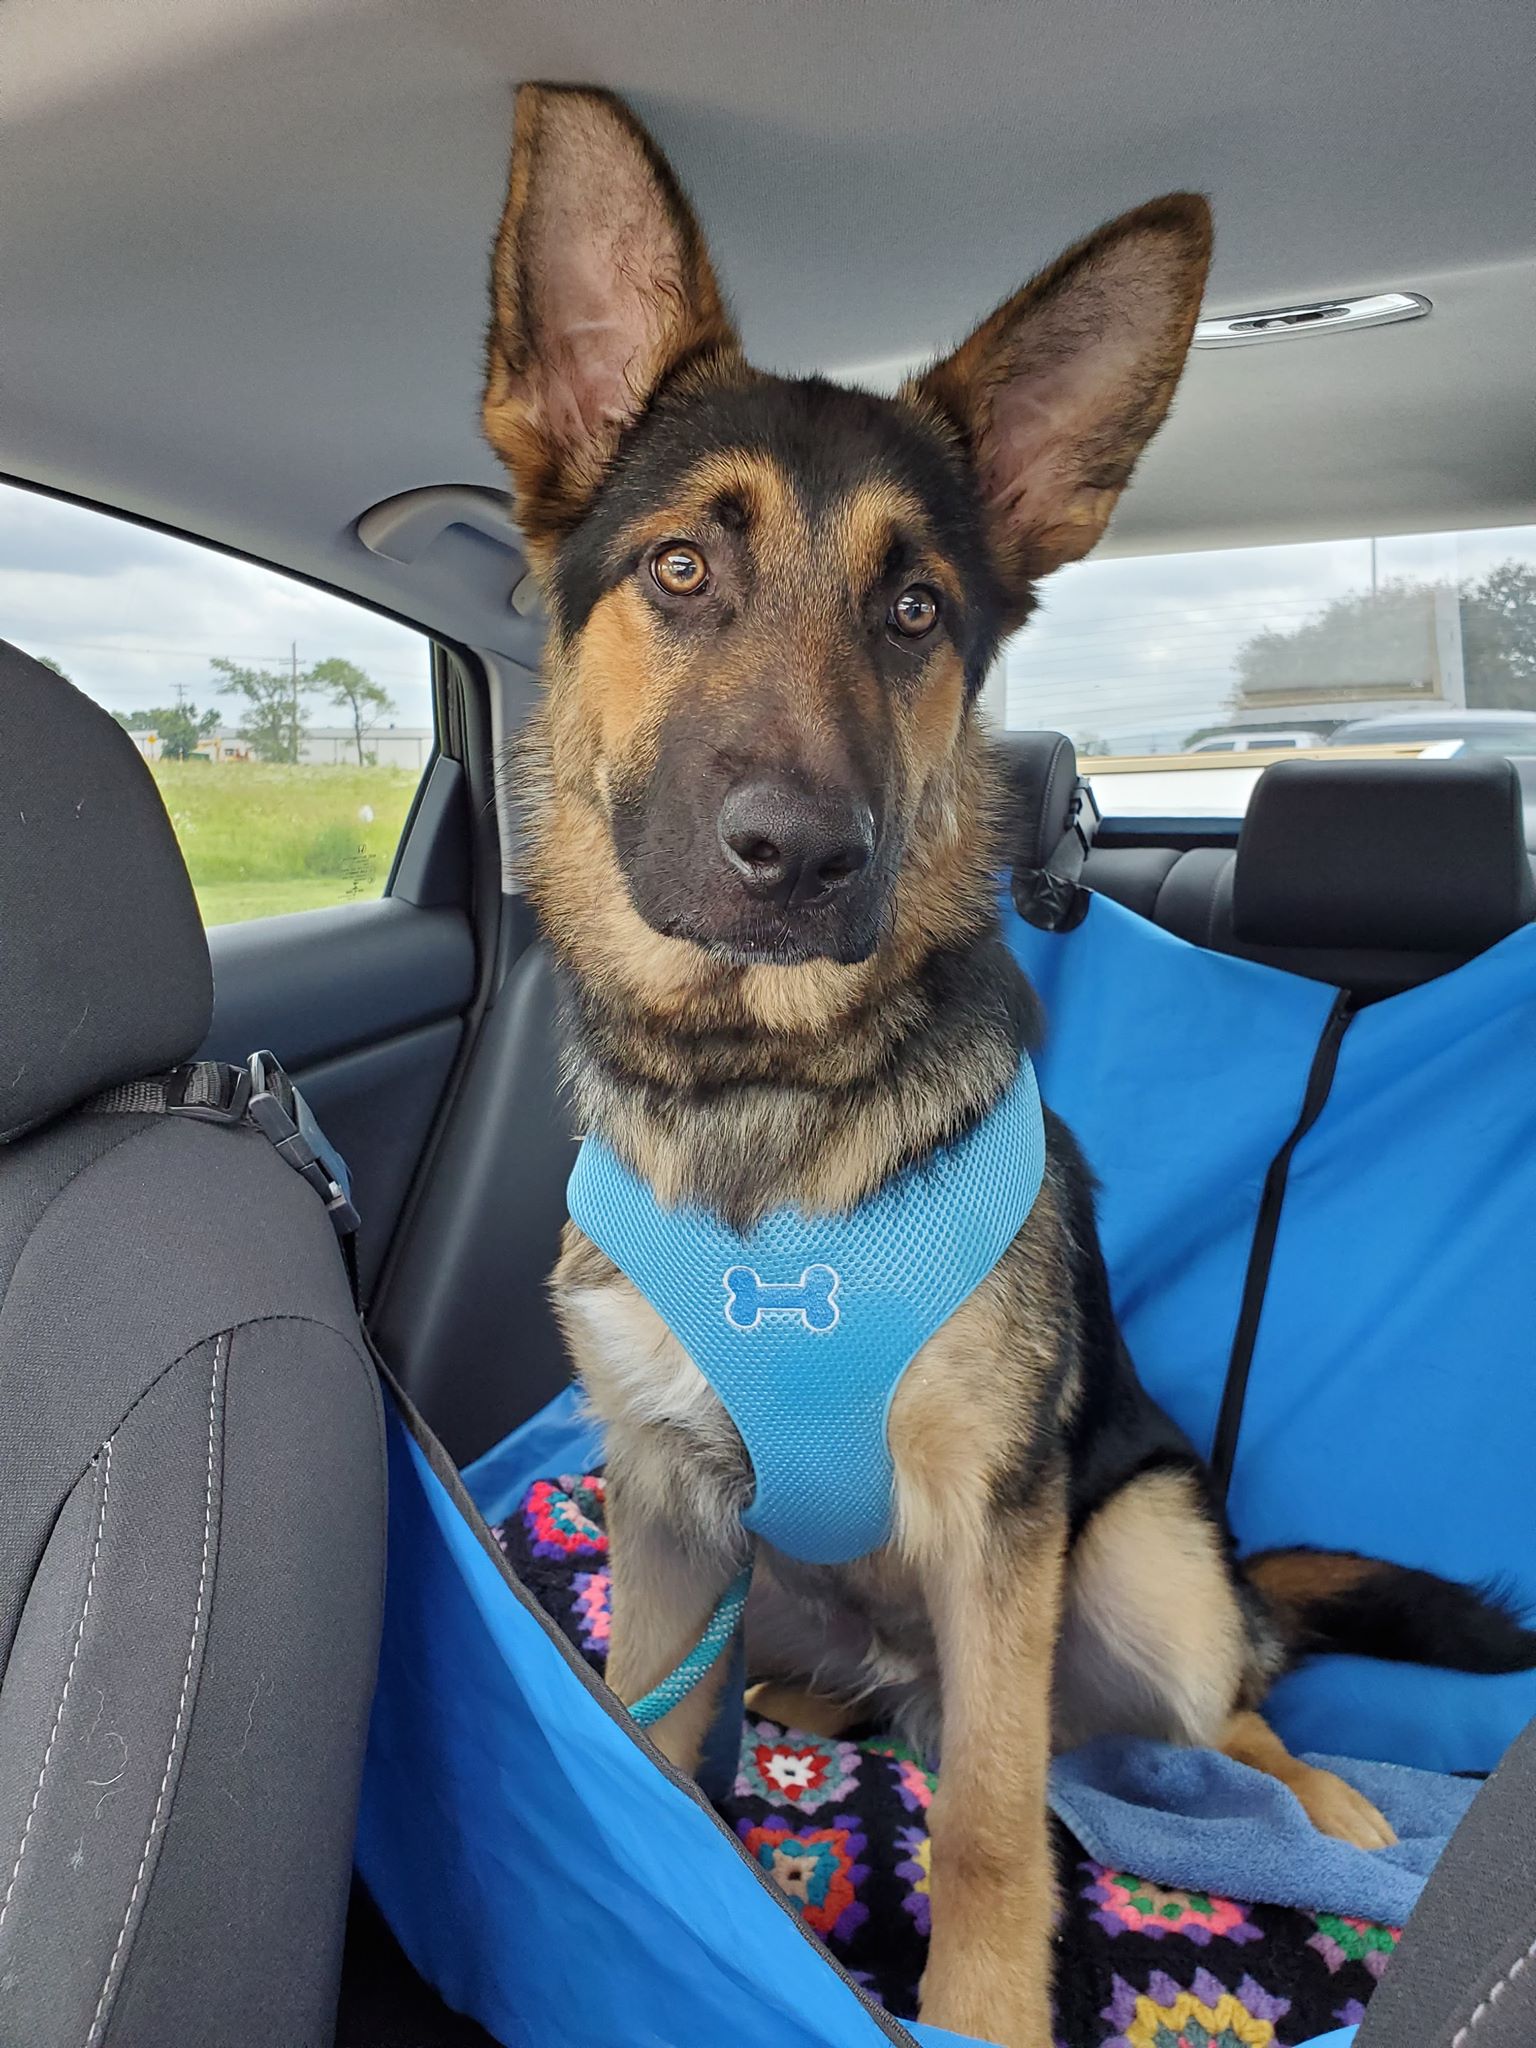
x=507 y=1807
x=1391 y=1399
x=805 y=1325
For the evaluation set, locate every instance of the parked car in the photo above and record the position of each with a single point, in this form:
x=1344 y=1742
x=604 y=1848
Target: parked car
x=1246 y=742
x=1511 y=733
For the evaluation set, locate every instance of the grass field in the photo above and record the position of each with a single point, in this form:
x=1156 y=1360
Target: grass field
x=261 y=840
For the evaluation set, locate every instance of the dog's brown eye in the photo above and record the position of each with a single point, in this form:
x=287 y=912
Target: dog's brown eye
x=915 y=612
x=680 y=570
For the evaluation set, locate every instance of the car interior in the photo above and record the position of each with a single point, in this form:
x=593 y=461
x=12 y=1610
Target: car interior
x=242 y=294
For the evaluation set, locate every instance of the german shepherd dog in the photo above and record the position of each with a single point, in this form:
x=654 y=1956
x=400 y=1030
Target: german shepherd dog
x=763 y=837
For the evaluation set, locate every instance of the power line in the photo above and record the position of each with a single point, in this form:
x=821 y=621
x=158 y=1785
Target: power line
x=1171 y=607
x=197 y=654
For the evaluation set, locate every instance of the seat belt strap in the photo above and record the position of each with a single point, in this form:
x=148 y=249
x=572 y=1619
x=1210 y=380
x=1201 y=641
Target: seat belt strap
x=259 y=1094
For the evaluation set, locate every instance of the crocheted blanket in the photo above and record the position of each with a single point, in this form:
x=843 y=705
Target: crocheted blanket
x=841 y=1827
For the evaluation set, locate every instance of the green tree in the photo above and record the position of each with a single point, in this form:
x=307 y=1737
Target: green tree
x=351 y=690
x=1498 y=638
x=47 y=661
x=178 y=727
x=273 y=725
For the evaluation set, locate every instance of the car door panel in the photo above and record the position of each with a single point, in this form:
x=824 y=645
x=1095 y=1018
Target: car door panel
x=364 y=1007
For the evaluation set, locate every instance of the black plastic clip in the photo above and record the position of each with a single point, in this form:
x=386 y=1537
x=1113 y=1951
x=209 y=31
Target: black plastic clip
x=273 y=1108
x=1053 y=897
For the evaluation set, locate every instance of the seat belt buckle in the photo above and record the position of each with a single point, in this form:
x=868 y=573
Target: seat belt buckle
x=276 y=1109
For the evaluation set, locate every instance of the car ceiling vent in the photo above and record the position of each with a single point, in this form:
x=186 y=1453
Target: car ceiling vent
x=1284 y=323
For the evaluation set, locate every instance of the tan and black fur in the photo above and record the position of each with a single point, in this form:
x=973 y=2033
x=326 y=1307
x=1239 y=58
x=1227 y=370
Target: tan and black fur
x=762 y=842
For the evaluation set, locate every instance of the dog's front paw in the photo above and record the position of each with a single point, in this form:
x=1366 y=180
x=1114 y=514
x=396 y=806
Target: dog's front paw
x=1339 y=1810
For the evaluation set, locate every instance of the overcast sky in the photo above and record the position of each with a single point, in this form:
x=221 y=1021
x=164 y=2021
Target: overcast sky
x=1131 y=651
x=128 y=613
x=1145 y=648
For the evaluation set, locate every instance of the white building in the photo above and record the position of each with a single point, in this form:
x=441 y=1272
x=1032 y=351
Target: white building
x=392 y=746
x=389 y=746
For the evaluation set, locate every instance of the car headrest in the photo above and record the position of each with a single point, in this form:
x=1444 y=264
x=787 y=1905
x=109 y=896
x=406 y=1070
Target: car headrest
x=1042 y=776
x=104 y=972
x=1412 y=855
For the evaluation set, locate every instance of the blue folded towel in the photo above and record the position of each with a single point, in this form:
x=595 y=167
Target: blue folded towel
x=1196 y=1821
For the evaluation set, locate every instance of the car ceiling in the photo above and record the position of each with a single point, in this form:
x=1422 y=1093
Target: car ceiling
x=243 y=248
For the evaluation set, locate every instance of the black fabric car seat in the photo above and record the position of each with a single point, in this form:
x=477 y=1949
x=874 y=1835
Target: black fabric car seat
x=191 y=1462
x=1372 y=875
x=1464 y=1975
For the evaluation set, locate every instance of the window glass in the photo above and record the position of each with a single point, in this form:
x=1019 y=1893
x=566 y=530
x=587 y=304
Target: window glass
x=287 y=729
x=1179 y=676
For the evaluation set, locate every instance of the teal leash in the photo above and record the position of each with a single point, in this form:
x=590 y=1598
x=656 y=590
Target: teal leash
x=721 y=1627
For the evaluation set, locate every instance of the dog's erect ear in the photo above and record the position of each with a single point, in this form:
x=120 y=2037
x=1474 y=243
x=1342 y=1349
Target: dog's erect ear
x=600 y=287
x=1059 y=391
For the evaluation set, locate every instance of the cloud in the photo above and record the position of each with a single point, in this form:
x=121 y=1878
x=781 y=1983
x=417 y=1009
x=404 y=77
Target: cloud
x=1142 y=650
x=129 y=613
x=38 y=532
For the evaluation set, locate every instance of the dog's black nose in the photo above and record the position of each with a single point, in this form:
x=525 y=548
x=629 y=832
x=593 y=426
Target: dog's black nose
x=792 y=846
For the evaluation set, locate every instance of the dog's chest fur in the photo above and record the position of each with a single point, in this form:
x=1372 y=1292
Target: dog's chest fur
x=666 y=1428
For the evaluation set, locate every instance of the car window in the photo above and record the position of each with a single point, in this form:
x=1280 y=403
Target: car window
x=1162 y=668
x=287 y=729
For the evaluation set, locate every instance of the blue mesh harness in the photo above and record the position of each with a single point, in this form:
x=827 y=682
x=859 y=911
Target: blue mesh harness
x=804 y=1326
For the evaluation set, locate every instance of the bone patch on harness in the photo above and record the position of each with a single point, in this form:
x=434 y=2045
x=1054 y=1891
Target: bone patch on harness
x=813 y=1298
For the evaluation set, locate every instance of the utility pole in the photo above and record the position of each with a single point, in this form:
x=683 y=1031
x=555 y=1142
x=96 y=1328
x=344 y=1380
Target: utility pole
x=181 y=695
x=293 y=708
x=1373 y=565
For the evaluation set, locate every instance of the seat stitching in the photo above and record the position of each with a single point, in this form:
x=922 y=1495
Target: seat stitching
x=69 y=1677
x=220 y=1361
x=1210 y=917
x=1486 y=2005
x=1043 y=851
x=250 y=1323
x=1157 y=894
